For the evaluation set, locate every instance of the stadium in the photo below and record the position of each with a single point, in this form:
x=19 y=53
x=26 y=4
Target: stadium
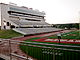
x=23 y=20
x=45 y=45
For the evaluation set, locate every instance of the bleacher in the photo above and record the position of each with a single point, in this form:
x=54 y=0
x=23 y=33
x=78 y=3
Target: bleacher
x=28 y=31
x=23 y=22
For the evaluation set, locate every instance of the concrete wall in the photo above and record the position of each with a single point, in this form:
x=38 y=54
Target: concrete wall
x=4 y=15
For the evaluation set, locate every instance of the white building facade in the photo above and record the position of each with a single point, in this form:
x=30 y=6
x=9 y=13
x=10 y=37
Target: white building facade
x=14 y=16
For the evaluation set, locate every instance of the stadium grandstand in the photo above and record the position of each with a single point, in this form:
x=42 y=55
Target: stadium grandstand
x=23 y=20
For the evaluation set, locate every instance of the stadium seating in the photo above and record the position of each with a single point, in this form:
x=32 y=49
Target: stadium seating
x=28 y=31
x=23 y=22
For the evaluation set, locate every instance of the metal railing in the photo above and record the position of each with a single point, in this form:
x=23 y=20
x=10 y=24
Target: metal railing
x=10 y=50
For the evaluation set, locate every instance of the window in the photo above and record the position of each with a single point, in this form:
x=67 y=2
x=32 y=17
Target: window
x=7 y=23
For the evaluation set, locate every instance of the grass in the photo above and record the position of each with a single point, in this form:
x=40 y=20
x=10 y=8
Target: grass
x=37 y=52
x=76 y=36
x=72 y=35
x=6 y=34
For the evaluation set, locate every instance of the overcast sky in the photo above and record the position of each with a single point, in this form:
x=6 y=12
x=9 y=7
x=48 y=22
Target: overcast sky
x=57 y=11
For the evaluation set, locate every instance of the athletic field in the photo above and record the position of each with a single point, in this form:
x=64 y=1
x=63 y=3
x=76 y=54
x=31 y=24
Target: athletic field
x=69 y=35
x=49 y=48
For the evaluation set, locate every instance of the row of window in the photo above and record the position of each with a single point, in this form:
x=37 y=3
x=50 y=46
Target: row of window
x=27 y=11
x=17 y=18
x=25 y=14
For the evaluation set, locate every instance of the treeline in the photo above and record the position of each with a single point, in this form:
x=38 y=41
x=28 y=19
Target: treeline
x=67 y=26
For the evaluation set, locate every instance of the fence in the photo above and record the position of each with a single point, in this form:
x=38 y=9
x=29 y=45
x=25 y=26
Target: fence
x=20 y=50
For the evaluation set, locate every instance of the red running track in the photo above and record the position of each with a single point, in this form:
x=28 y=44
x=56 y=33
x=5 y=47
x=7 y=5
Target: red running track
x=57 y=41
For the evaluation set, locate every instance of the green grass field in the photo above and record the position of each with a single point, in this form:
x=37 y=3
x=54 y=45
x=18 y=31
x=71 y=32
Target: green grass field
x=69 y=35
x=39 y=51
x=6 y=34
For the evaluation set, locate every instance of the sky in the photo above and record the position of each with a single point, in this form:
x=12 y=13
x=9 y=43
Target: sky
x=57 y=11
